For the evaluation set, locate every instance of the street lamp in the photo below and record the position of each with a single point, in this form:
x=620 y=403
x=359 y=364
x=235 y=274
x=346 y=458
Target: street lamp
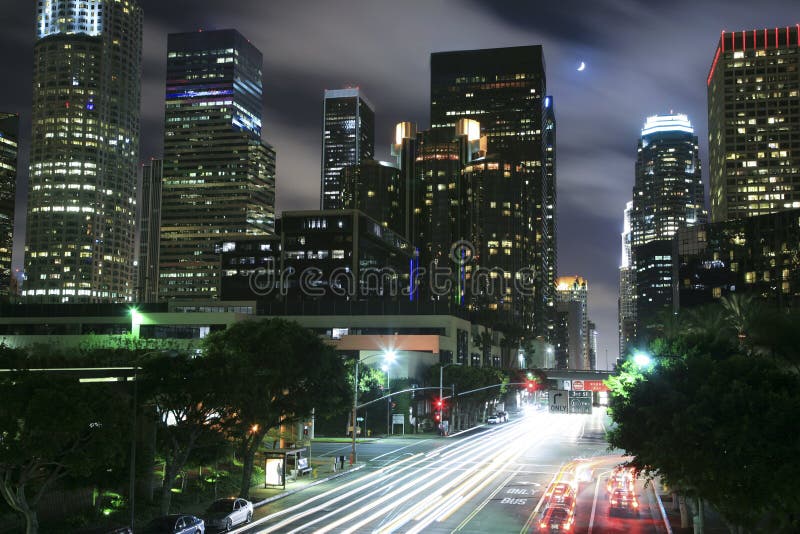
x=642 y=359
x=389 y=357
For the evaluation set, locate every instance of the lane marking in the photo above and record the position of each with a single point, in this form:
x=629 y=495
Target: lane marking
x=484 y=503
x=594 y=504
x=398 y=450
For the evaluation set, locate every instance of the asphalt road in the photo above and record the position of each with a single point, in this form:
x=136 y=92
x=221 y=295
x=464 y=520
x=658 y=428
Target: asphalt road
x=489 y=481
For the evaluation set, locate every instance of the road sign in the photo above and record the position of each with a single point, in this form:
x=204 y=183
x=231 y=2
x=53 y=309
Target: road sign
x=580 y=402
x=577 y=385
x=558 y=401
x=594 y=385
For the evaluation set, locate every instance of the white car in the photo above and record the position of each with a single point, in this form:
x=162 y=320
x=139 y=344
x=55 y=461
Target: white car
x=227 y=513
x=493 y=419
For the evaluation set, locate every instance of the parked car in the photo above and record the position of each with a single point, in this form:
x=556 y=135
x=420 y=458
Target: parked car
x=227 y=513
x=493 y=420
x=175 y=524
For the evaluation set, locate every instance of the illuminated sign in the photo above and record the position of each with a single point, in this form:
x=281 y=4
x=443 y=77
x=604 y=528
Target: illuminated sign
x=667 y=123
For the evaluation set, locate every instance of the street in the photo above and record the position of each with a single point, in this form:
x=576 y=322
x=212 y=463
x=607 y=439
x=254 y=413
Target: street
x=490 y=480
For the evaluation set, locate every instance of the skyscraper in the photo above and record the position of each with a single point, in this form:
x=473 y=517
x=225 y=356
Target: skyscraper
x=627 y=287
x=668 y=188
x=505 y=90
x=667 y=195
x=375 y=188
x=572 y=299
x=348 y=138
x=754 y=123
x=84 y=151
x=149 y=231
x=219 y=176
x=9 y=146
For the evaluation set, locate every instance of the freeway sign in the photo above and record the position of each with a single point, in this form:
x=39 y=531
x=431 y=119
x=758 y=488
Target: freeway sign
x=580 y=402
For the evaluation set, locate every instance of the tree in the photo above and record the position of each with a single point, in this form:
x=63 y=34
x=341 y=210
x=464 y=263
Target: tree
x=275 y=372
x=54 y=428
x=181 y=390
x=467 y=378
x=714 y=424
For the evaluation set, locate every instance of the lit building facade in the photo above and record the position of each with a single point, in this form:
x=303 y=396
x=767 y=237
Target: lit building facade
x=316 y=261
x=758 y=256
x=80 y=239
x=375 y=187
x=667 y=195
x=219 y=176
x=505 y=90
x=627 y=287
x=149 y=231
x=572 y=298
x=668 y=188
x=9 y=148
x=754 y=123
x=348 y=138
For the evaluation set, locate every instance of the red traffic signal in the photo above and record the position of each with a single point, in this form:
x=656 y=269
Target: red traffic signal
x=437 y=417
x=530 y=385
x=439 y=403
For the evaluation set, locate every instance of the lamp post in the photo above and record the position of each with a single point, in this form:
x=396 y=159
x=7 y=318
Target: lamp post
x=390 y=356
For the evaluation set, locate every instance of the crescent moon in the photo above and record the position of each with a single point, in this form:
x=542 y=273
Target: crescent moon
x=583 y=66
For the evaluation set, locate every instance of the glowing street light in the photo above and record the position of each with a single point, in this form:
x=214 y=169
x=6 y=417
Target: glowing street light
x=642 y=359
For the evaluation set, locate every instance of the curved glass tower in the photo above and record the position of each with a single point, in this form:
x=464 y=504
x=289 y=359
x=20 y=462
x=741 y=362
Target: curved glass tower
x=84 y=151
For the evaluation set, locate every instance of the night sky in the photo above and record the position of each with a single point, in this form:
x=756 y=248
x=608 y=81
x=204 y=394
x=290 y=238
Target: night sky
x=642 y=58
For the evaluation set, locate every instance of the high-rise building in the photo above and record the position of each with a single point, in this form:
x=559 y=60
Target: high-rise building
x=667 y=195
x=668 y=188
x=149 y=231
x=375 y=188
x=505 y=90
x=404 y=150
x=348 y=138
x=9 y=147
x=80 y=241
x=219 y=176
x=757 y=256
x=627 y=287
x=754 y=123
x=572 y=298
x=593 y=335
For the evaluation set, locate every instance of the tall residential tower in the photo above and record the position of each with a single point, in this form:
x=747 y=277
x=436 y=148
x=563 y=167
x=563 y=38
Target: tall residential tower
x=754 y=123
x=80 y=241
x=219 y=176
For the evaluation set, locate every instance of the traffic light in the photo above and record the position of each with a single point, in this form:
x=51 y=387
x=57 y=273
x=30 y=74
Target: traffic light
x=437 y=416
x=530 y=385
x=439 y=403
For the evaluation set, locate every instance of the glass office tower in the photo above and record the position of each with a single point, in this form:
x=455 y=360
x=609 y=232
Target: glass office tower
x=348 y=138
x=219 y=176
x=505 y=90
x=9 y=146
x=80 y=241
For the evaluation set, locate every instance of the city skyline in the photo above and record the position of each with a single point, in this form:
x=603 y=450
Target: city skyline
x=641 y=69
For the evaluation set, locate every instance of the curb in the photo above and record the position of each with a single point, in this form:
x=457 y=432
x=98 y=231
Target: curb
x=661 y=508
x=316 y=482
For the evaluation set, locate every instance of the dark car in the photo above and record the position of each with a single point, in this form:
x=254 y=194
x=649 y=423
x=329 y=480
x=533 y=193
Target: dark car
x=175 y=524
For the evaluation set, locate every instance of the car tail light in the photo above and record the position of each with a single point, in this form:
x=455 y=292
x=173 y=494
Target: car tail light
x=635 y=504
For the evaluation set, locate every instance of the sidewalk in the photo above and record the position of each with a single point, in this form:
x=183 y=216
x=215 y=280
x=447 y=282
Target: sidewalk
x=713 y=522
x=321 y=471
